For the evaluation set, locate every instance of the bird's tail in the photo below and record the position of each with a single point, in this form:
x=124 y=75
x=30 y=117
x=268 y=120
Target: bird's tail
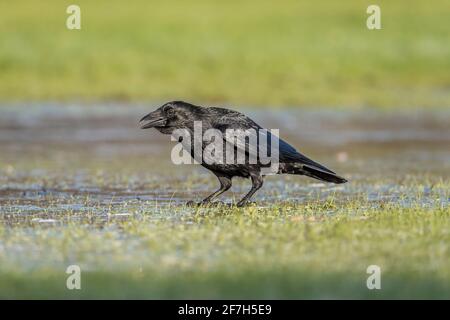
x=322 y=175
x=313 y=172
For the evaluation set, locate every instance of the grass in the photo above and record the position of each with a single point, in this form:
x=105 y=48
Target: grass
x=238 y=52
x=90 y=191
x=318 y=249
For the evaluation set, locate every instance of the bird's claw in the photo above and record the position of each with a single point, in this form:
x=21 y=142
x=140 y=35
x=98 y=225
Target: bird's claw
x=205 y=204
x=241 y=204
x=191 y=203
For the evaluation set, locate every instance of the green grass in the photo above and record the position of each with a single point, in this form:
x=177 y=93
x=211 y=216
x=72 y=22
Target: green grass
x=238 y=52
x=115 y=207
x=319 y=249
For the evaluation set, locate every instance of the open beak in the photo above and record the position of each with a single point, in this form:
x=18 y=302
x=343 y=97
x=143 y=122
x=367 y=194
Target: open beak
x=153 y=119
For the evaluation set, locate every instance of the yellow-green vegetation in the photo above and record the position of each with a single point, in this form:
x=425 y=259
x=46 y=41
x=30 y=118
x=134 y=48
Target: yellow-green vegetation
x=84 y=186
x=292 y=53
x=319 y=249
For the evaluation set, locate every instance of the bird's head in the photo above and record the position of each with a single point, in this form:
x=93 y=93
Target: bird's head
x=171 y=116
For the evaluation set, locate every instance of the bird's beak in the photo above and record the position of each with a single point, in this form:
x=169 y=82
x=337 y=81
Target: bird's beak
x=153 y=119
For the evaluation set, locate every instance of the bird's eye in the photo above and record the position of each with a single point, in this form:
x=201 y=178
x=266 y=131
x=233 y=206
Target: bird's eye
x=169 y=111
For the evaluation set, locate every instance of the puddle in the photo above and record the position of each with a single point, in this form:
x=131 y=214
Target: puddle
x=85 y=160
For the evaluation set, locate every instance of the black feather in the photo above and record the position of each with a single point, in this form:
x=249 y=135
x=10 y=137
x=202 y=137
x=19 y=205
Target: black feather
x=322 y=175
x=181 y=115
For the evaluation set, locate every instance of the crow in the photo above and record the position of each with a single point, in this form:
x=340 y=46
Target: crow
x=180 y=115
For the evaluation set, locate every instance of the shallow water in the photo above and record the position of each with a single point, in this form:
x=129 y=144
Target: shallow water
x=86 y=159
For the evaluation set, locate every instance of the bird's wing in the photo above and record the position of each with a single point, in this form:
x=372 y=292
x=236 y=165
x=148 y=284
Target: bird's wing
x=238 y=121
x=288 y=154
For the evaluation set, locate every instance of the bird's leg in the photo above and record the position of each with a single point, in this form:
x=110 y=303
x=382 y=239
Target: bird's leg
x=257 y=182
x=225 y=184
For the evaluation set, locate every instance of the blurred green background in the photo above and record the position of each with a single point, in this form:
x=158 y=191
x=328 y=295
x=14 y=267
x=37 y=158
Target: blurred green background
x=254 y=53
x=81 y=184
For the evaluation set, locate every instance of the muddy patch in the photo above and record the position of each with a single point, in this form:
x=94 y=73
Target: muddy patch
x=81 y=161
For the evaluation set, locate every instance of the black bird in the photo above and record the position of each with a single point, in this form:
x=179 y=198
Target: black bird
x=181 y=115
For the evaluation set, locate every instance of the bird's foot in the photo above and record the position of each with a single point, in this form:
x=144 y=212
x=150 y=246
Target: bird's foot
x=205 y=204
x=241 y=204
